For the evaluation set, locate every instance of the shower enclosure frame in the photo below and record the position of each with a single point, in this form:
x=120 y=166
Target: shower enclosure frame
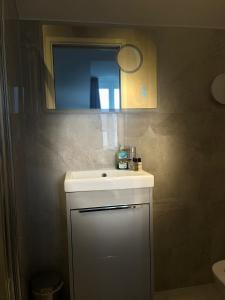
x=9 y=258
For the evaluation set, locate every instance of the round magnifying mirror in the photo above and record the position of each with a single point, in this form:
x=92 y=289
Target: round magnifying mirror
x=129 y=58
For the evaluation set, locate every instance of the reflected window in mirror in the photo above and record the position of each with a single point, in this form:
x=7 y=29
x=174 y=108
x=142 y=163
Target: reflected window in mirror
x=86 y=77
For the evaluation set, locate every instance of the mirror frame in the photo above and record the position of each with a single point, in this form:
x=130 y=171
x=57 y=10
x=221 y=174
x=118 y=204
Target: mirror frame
x=141 y=96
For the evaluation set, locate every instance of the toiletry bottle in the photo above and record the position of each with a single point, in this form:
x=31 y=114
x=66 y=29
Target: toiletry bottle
x=122 y=158
x=132 y=154
x=139 y=162
x=135 y=164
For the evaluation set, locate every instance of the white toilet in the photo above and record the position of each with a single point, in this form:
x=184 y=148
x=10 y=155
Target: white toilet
x=219 y=275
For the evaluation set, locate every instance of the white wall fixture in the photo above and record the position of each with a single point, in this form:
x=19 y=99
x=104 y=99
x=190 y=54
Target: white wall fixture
x=219 y=275
x=218 y=88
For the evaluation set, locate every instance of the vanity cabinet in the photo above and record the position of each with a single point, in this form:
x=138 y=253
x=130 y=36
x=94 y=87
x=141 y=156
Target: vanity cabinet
x=110 y=244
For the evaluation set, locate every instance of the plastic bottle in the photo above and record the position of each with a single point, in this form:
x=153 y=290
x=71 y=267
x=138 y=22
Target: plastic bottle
x=135 y=164
x=139 y=163
x=122 y=158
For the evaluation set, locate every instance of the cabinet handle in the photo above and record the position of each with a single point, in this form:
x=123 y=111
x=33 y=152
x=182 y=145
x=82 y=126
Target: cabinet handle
x=94 y=209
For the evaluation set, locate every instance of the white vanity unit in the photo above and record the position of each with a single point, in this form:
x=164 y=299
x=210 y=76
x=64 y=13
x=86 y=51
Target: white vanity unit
x=109 y=215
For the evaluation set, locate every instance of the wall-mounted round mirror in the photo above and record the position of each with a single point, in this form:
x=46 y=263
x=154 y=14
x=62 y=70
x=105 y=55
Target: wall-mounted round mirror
x=129 y=58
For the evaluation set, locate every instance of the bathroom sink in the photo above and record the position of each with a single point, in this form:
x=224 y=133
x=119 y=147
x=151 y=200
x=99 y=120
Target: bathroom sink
x=112 y=179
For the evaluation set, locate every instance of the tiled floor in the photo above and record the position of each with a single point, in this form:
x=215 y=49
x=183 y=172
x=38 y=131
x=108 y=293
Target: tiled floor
x=200 y=292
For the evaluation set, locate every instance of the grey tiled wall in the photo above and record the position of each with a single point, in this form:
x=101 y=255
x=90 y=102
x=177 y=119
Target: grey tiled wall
x=182 y=143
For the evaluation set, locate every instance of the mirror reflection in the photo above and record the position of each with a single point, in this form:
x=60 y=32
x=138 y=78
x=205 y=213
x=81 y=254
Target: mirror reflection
x=86 y=77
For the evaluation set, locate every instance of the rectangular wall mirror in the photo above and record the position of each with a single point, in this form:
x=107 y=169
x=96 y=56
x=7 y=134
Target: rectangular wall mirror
x=108 y=69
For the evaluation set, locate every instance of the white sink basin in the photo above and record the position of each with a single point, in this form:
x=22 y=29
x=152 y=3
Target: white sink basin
x=113 y=180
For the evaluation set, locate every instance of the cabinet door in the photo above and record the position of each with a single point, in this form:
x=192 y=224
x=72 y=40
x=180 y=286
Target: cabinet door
x=111 y=253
